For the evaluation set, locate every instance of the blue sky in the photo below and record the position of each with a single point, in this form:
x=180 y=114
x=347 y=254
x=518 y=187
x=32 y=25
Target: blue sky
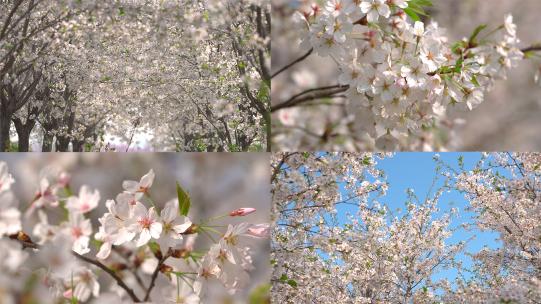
x=417 y=171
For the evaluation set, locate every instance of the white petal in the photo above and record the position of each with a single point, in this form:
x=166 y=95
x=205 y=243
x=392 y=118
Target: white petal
x=144 y=237
x=384 y=10
x=105 y=251
x=365 y=7
x=81 y=292
x=156 y=230
x=81 y=245
x=182 y=227
x=130 y=186
x=123 y=236
x=139 y=210
x=372 y=16
x=147 y=179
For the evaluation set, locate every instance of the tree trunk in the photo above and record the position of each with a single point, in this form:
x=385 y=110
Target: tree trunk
x=62 y=144
x=5 y=124
x=268 y=129
x=47 y=142
x=23 y=133
x=78 y=146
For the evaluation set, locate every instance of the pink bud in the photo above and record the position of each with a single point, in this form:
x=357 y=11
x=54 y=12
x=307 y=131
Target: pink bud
x=68 y=294
x=259 y=230
x=64 y=179
x=242 y=212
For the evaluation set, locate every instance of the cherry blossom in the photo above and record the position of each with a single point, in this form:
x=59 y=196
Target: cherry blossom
x=173 y=225
x=147 y=224
x=146 y=252
x=85 y=202
x=142 y=186
x=79 y=230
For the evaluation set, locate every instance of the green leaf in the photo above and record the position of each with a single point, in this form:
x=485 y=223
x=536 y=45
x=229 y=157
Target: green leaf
x=367 y=161
x=412 y=14
x=121 y=11
x=154 y=247
x=183 y=201
x=292 y=283
x=476 y=32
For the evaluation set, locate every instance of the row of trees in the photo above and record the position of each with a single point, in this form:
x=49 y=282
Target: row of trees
x=380 y=255
x=190 y=76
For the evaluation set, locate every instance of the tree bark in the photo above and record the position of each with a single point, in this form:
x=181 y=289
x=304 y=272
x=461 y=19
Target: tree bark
x=5 y=124
x=23 y=133
x=78 y=146
x=62 y=143
x=47 y=144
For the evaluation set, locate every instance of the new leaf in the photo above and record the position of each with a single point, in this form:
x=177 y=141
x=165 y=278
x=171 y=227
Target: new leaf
x=183 y=201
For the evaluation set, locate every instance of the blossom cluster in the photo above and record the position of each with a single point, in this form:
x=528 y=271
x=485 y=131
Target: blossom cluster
x=134 y=237
x=401 y=76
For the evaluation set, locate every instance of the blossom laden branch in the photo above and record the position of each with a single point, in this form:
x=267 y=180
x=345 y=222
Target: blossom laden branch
x=26 y=242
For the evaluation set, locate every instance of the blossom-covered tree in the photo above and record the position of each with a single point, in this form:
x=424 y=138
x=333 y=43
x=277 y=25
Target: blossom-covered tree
x=504 y=192
x=179 y=76
x=398 y=76
x=376 y=257
x=136 y=243
x=378 y=254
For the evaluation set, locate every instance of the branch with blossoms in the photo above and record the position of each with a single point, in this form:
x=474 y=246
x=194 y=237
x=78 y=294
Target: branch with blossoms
x=503 y=190
x=138 y=243
x=399 y=75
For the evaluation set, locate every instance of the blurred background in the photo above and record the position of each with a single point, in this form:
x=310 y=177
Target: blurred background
x=216 y=182
x=508 y=119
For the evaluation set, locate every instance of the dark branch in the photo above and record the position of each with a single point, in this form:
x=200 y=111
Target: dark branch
x=293 y=63
x=533 y=48
x=311 y=94
x=27 y=243
x=155 y=275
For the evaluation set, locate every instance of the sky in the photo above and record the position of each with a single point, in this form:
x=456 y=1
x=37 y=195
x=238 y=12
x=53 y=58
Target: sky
x=417 y=171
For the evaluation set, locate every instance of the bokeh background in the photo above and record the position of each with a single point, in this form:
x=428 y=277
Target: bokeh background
x=509 y=119
x=217 y=183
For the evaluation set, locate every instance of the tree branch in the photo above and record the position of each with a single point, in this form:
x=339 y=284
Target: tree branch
x=533 y=48
x=311 y=94
x=293 y=63
x=28 y=243
x=155 y=275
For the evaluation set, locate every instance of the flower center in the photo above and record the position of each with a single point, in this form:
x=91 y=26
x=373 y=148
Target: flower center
x=76 y=232
x=85 y=206
x=145 y=222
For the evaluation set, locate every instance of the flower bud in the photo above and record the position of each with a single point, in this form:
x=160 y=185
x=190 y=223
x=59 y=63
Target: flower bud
x=242 y=212
x=180 y=253
x=64 y=179
x=166 y=269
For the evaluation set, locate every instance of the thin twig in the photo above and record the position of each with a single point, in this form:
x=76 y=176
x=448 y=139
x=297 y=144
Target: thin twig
x=311 y=94
x=293 y=63
x=155 y=275
x=120 y=282
x=532 y=48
